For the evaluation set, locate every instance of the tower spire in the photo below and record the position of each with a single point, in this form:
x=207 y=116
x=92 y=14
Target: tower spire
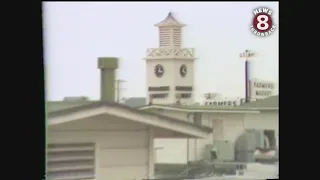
x=170 y=32
x=170 y=20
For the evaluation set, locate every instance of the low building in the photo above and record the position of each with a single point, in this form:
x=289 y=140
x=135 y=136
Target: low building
x=105 y=140
x=108 y=141
x=227 y=123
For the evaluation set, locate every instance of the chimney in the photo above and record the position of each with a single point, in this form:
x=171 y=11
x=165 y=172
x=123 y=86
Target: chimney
x=107 y=66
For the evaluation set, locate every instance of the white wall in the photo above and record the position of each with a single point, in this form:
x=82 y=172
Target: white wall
x=264 y=120
x=229 y=128
x=176 y=150
x=233 y=126
x=120 y=154
x=171 y=77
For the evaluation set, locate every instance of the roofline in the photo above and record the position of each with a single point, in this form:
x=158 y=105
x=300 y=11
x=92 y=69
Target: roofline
x=182 y=109
x=102 y=104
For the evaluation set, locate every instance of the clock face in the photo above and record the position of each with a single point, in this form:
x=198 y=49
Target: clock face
x=183 y=70
x=159 y=70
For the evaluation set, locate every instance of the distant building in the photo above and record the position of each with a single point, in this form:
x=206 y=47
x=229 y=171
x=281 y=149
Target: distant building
x=106 y=140
x=136 y=101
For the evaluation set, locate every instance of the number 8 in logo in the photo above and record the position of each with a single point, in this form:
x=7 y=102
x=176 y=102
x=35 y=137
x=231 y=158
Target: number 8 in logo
x=262 y=22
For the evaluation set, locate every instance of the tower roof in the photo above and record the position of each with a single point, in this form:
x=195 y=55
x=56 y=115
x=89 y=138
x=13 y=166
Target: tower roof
x=169 y=21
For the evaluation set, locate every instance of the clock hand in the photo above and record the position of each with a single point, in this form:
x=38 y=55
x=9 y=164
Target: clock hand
x=184 y=70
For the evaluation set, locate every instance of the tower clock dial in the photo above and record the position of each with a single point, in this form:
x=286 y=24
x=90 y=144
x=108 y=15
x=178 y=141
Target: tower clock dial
x=159 y=70
x=183 y=70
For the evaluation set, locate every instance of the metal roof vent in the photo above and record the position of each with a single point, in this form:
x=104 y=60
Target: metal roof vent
x=76 y=98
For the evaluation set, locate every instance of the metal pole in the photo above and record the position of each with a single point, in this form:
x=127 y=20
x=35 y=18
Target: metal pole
x=118 y=82
x=247 y=54
x=246 y=81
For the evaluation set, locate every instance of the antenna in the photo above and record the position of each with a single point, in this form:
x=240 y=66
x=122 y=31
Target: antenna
x=119 y=88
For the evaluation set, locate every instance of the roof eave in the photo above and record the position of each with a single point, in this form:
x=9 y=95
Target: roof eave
x=112 y=108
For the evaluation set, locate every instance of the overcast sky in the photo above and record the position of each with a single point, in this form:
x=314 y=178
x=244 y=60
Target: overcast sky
x=77 y=33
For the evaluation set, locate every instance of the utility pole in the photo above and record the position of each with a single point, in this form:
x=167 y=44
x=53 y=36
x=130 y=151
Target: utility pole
x=119 y=88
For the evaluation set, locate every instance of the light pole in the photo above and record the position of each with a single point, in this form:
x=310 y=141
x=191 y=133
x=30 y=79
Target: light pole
x=247 y=55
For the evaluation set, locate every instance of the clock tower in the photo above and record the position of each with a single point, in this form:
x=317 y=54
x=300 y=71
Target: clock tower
x=170 y=67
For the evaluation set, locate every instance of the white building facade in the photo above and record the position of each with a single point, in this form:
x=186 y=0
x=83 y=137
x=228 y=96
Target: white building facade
x=226 y=126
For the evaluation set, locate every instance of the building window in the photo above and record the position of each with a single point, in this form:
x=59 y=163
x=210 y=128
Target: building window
x=159 y=96
x=159 y=88
x=185 y=95
x=183 y=88
x=74 y=161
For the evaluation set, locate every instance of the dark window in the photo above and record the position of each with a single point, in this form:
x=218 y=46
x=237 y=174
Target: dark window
x=160 y=88
x=271 y=138
x=159 y=96
x=197 y=119
x=183 y=88
x=185 y=95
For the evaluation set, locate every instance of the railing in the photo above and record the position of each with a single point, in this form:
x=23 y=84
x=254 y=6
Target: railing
x=153 y=53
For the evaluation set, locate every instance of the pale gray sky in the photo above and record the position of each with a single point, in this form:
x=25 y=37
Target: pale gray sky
x=76 y=33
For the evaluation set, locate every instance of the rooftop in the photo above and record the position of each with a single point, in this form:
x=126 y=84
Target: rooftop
x=270 y=103
x=169 y=21
x=63 y=108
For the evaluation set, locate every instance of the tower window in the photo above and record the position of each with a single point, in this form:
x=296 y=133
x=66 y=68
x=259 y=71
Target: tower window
x=164 y=37
x=159 y=88
x=183 y=88
x=177 y=37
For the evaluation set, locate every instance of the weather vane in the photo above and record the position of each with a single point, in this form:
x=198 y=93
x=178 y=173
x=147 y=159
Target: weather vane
x=247 y=54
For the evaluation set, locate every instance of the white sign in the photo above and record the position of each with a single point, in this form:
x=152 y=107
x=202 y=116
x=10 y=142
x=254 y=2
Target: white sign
x=222 y=103
x=216 y=99
x=260 y=89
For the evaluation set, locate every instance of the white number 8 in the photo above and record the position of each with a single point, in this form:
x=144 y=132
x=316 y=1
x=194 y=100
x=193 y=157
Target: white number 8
x=264 y=22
